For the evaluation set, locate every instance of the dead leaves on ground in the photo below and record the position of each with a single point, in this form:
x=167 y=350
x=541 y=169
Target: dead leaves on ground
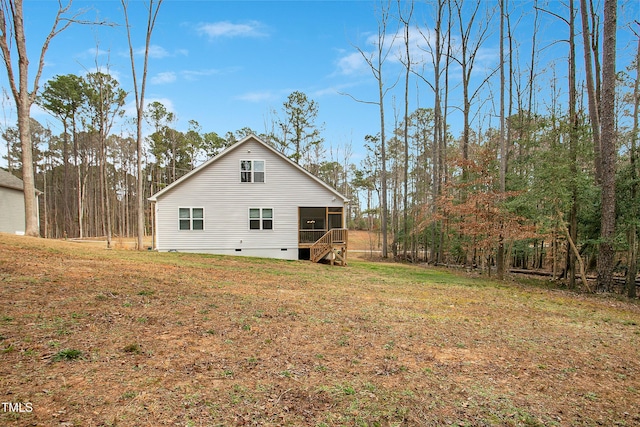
x=97 y=338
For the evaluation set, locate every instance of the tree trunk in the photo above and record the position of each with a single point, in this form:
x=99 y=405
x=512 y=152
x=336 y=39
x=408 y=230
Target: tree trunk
x=606 y=251
x=444 y=167
x=406 y=130
x=106 y=214
x=503 y=146
x=633 y=234
x=32 y=227
x=573 y=147
x=632 y=272
x=23 y=104
x=383 y=172
x=13 y=30
x=78 y=178
x=591 y=90
x=139 y=95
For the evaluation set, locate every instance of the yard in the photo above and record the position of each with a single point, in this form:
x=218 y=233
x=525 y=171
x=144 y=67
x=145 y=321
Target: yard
x=95 y=337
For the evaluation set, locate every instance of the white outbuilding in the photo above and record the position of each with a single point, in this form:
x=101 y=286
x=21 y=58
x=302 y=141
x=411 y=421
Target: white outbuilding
x=12 y=214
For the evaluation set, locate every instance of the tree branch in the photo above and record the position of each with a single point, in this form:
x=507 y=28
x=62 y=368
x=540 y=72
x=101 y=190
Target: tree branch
x=358 y=100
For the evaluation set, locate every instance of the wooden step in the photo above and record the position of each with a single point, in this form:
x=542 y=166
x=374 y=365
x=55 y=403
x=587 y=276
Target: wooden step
x=333 y=242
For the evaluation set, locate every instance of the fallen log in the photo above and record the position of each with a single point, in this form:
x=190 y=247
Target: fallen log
x=618 y=280
x=531 y=272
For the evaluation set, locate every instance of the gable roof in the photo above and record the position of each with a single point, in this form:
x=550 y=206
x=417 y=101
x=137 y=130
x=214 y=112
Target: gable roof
x=234 y=147
x=8 y=180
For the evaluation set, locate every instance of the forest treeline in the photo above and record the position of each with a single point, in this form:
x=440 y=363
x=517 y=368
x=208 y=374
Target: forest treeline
x=87 y=173
x=550 y=185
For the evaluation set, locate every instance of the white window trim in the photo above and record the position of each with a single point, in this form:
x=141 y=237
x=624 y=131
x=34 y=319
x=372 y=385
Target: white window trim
x=191 y=208
x=253 y=170
x=261 y=219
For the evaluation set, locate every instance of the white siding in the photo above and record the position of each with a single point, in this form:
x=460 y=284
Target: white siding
x=12 y=211
x=226 y=201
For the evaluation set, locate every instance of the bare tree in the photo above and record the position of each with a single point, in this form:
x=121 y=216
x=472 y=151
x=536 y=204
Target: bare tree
x=594 y=109
x=503 y=144
x=12 y=31
x=572 y=236
x=466 y=57
x=440 y=119
x=154 y=7
x=406 y=22
x=375 y=61
x=469 y=46
x=106 y=100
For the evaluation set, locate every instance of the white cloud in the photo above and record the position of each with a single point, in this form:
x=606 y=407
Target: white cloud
x=195 y=74
x=95 y=52
x=421 y=45
x=189 y=75
x=158 y=52
x=351 y=64
x=421 y=42
x=228 y=29
x=155 y=51
x=164 y=78
x=332 y=90
x=260 y=96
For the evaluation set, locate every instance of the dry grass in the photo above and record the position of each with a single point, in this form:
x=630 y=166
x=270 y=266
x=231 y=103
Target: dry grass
x=94 y=337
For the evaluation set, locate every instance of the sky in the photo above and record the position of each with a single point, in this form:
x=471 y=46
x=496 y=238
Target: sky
x=225 y=64
x=232 y=64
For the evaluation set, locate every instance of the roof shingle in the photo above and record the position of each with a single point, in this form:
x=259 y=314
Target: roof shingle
x=8 y=180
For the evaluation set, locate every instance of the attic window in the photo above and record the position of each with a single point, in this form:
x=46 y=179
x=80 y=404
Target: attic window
x=251 y=170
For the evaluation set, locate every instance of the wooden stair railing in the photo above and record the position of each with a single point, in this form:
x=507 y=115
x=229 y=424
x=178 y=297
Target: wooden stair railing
x=321 y=247
x=328 y=242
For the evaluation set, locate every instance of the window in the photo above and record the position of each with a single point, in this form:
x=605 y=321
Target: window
x=260 y=219
x=251 y=170
x=191 y=218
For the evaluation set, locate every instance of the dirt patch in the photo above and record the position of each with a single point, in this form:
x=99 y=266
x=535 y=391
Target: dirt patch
x=95 y=337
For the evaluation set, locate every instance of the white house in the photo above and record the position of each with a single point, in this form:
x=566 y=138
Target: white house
x=251 y=200
x=12 y=218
